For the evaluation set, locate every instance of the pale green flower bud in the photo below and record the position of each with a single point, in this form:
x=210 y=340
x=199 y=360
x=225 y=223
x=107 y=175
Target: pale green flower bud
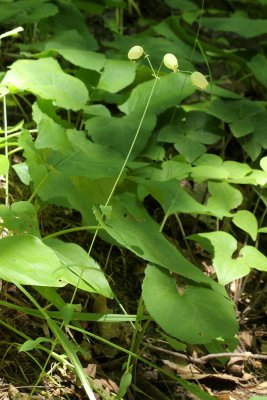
x=199 y=80
x=171 y=62
x=135 y=52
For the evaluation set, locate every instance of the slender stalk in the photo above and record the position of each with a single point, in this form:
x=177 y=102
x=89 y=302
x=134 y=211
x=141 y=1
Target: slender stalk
x=6 y=149
x=125 y=161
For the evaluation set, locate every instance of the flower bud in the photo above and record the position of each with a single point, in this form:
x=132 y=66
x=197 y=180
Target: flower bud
x=135 y=52
x=199 y=80
x=170 y=61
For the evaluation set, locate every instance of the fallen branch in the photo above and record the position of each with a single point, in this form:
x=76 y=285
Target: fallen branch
x=204 y=359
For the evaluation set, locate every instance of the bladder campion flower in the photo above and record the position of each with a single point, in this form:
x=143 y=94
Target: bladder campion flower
x=171 y=62
x=135 y=52
x=199 y=80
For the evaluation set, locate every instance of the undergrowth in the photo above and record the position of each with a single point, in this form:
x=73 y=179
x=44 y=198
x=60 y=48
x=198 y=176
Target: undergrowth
x=160 y=154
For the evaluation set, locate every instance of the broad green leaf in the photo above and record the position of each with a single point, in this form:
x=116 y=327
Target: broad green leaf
x=238 y=113
x=78 y=179
x=258 y=65
x=209 y=160
x=22 y=171
x=26 y=260
x=117 y=74
x=169 y=28
x=246 y=221
x=189 y=148
x=173 y=198
x=190 y=132
x=99 y=110
x=224 y=198
x=45 y=78
x=257 y=141
x=73 y=47
x=242 y=127
x=4 y=165
x=15 y=12
x=170 y=169
x=71 y=18
x=196 y=316
x=119 y=133
x=132 y=227
x=50 y=134
x=79 y=269
x=254 y=258
x=20 y=218
x=223 y=246
x=195 y=125
x=170 y=90
x=237 y=25
x=237 y=170
x=263 y=163
x=203 y=172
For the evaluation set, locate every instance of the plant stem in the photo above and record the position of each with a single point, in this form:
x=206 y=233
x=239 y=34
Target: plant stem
x=6 y=149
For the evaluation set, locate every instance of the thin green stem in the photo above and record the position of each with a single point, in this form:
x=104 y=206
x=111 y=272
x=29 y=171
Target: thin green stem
x=125 y=161
x=70 y=230
x=6 y=149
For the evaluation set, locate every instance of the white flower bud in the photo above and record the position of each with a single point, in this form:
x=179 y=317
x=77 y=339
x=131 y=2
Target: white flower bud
x=135 y=52
x=199 y=80
x=170 y=61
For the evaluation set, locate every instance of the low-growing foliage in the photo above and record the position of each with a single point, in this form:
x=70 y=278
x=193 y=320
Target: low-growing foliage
x=104 y=134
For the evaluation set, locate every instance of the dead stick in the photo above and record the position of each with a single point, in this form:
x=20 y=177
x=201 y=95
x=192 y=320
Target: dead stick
x=204 y=359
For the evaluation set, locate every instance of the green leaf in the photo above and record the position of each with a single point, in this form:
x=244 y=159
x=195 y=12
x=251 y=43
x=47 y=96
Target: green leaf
x=263 y=163
x=119 y=132
x=237 y=25
x=205 y=314
x=75 y=179
x=173 y=198
x=4 y=165
x=26 y=260
x=50 y=134
x=170 y=90
x=223 y=198
x=258 y=65
x=254 y=258
x=201 y=173
x=238 y=113
x=20 y=218
x=117 y=74
x=224 y=246
x=73 y=47
x=32 y=344
x=190 y=132
x=79 y=269
x=125 y=382
x=132 y=227
x=45 y=78
x=246 y=221
x=15 y=12
x=23 y=172
x=71 y=18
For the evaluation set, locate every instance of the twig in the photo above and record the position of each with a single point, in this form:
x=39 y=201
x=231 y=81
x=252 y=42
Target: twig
x=204 y=359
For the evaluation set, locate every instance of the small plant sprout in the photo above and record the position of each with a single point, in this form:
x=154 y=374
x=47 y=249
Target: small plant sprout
x=171 y=62
x=135 y=53
x=199 y=80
